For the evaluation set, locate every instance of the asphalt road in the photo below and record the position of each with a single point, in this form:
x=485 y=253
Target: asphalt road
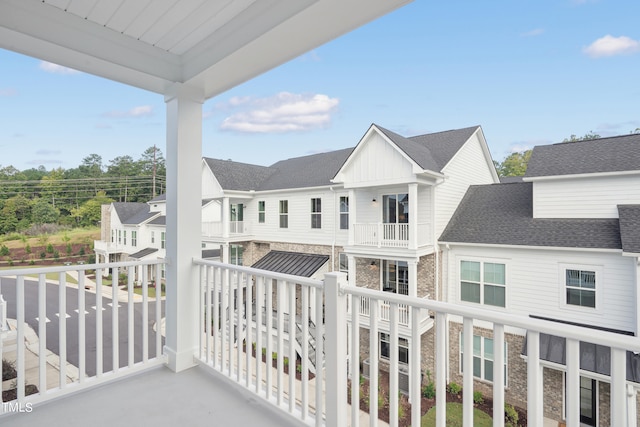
x=8 y=289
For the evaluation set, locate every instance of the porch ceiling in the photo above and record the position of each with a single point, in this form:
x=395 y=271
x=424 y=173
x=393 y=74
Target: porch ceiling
x=212 y=45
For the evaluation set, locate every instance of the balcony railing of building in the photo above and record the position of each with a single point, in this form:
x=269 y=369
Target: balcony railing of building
x=228 y=346
x=107 y=247
x=214 y=228
x=391 y=235
x=384 y=311
x=95 y=331
x=231 y=341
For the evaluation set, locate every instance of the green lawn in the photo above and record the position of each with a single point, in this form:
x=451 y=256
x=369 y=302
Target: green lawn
x=151 y=291
x=454 y=417
x=49 y=276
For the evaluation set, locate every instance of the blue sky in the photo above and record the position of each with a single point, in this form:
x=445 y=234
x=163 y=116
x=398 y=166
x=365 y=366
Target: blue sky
x=529 y=72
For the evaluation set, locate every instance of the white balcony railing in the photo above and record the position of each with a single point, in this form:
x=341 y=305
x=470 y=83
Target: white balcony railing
x=109 y=337
x=227 y=346
x=214 y=228
x=390 y=235
x=88 y=331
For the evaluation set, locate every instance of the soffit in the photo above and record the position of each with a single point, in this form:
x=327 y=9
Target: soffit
x=211 y=45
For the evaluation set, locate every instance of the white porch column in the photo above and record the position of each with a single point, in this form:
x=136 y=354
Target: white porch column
x=352 y=270
x=352 y=216
x=413 y=278
x=413 y=216
x=184 y=218
x=225 y=217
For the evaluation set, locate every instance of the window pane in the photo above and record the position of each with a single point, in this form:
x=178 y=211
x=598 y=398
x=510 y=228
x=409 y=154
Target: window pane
x=488 y=370
x=488 y=348
x=477 y=367
x=344 y=221
x=588 y=279
x=470 y=292
x=588 y=299
x=494 y=295
x=477 y=343
x=494 y=273
x=344 y=204
x=573 y=278
x=470 y=270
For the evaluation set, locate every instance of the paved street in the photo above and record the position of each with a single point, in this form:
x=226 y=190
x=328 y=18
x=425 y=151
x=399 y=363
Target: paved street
x=8 y=290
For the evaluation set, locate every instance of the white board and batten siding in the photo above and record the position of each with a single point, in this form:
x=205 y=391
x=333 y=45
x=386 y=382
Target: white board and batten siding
x=468 y=167
x=299 y=218
x=374 y=163
x=587 y=197
x=211 y=188
x=535 y=283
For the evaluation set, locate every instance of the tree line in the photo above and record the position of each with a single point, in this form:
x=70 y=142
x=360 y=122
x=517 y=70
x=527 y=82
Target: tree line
x=73 y=197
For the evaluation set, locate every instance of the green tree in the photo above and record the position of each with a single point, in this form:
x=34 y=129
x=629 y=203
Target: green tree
x=515 y=164
x=15 y=214
x=43 y=212
x=89 y=213
x=151 y=156
x=587 y=136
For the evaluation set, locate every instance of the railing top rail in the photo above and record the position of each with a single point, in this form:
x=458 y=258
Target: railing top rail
x=314 y=283
x=76 y=267
x=610 y=339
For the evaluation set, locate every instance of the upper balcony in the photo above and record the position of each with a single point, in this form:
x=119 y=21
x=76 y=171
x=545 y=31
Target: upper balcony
x=109 y=334
x=392 y=235
x=238 y=230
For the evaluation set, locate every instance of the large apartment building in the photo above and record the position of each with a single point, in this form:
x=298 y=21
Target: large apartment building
x=426 y=216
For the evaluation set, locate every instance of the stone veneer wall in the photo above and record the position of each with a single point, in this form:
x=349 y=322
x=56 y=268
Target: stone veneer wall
x=516 y=391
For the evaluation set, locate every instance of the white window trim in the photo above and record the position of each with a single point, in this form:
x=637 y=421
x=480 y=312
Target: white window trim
x=483 y=260
x=316 y=214
x=562 y=287
x=482 y=359
x=400 y=339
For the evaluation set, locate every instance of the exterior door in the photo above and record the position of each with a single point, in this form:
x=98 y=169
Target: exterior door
x=588 y=401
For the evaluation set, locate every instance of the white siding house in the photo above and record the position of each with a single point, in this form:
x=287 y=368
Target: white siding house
x=562 y=245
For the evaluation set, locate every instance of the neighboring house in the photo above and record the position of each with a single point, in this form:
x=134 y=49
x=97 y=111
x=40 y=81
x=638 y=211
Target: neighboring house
x=562 y=244
x=372 y=211
x=137 y=231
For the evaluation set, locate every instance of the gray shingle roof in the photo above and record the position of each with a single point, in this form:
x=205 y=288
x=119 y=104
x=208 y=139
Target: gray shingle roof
x=294 y=263
x=630 y=227
x=132 y=213
x=620 y=153
x=308 y=171
x=238 y=176
x=161 y=220
x=501 y=214
x=432 y=151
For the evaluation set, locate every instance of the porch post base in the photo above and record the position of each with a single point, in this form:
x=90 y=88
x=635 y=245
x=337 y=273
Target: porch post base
x=178 y=362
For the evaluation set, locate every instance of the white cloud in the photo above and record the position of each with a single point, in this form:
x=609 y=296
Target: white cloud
x=611 y=46
x=283 y=112
x=45 y=152
x=50 y=67
x=533 y=33
x=135 y=112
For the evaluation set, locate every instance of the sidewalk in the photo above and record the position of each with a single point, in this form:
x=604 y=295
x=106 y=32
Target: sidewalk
x=32 y=359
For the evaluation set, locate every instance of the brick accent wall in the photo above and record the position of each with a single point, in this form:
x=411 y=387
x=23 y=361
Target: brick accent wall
x=516 y=392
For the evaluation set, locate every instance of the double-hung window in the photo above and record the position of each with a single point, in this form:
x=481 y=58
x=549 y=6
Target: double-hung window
x=153 y=237
x=284 y=214
x=162 y=241
x=483 y=357
x=581 y=287
x=261 y=212
x=344 y=213
x=483 y=283
x=316 y=213
x=235 y=253
x=385 y=348
x=134 y=238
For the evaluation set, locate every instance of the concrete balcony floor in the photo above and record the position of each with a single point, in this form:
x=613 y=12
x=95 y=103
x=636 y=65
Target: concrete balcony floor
x=157 y=397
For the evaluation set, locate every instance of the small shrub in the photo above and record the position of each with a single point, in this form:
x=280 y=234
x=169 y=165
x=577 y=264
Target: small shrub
x=429 y=390
x=454 y=388
x=10 y=262
x=69 y=249
x=81 y=252
x=43 y=255
x=32 y=262
x=49 y=248
x=27 y=248
x=510 y=415
x=477 y=397
x=4 y=250
x=8 y=370
x=56 y=254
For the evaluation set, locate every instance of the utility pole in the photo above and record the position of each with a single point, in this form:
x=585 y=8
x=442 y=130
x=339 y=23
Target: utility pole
x=154 y=171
